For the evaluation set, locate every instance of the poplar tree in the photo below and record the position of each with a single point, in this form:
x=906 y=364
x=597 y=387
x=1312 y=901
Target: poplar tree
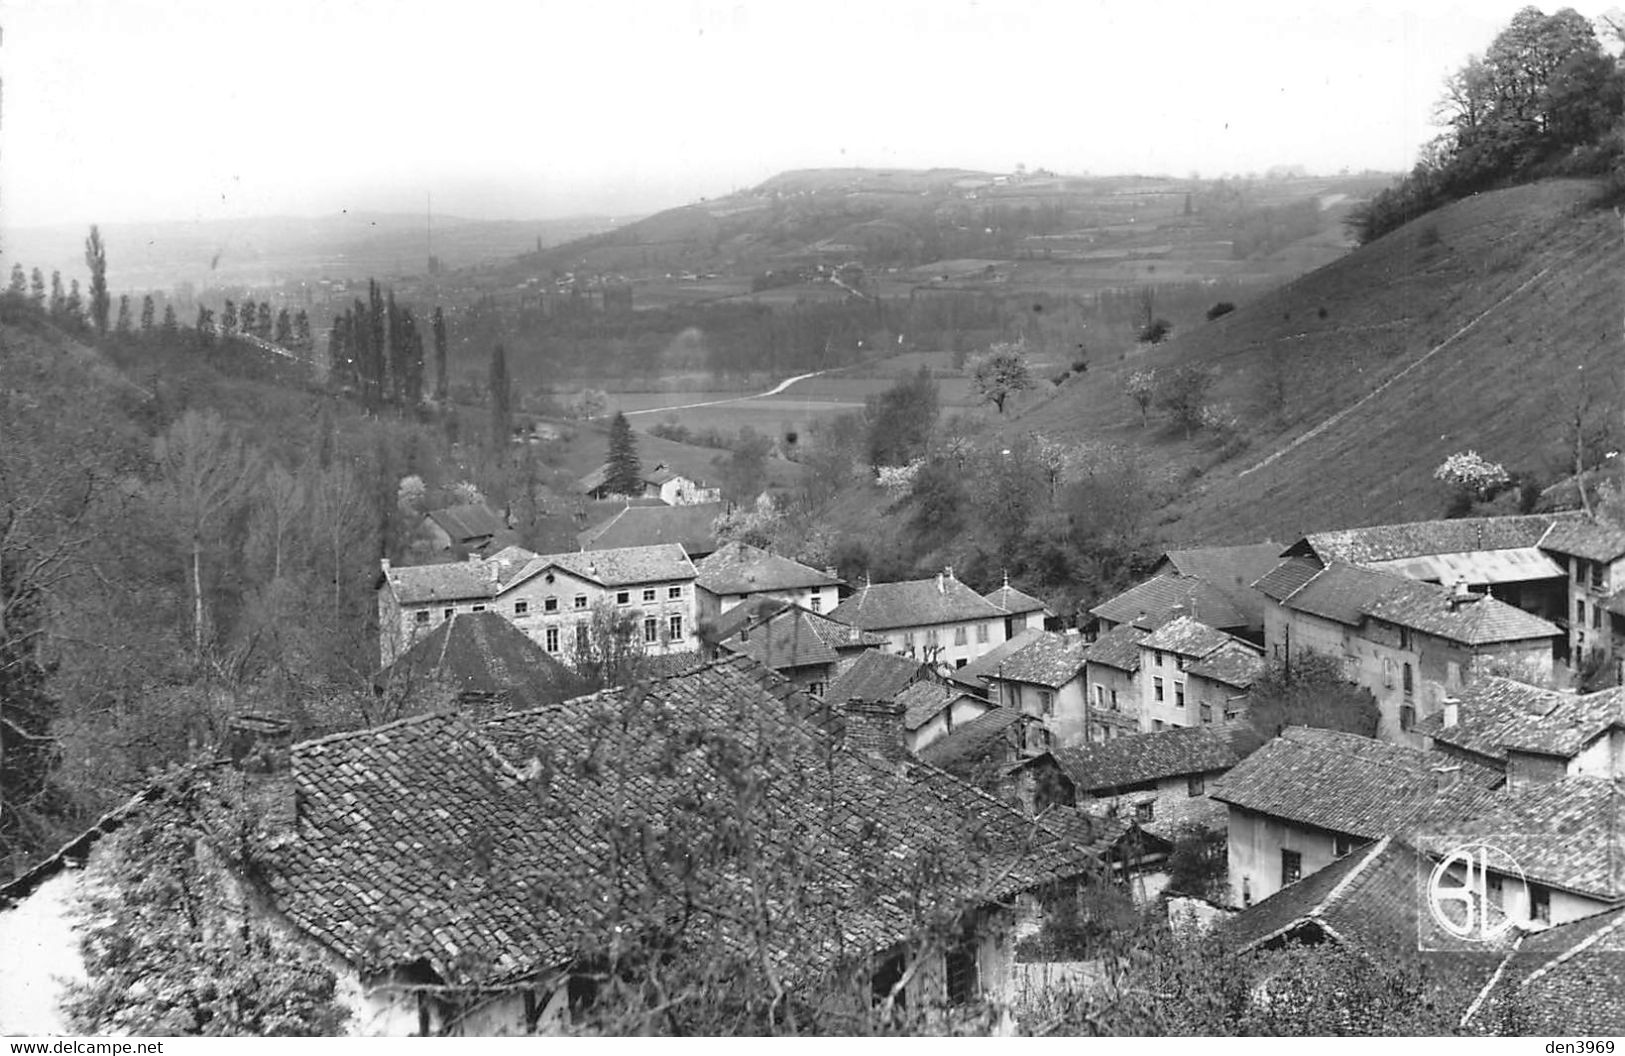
x=501 y=398
x=439 y=354
x=96 y=261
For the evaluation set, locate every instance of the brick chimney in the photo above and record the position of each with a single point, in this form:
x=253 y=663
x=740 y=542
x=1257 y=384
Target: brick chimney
x=1452 y=712
x=875 y=726
x=260 y=749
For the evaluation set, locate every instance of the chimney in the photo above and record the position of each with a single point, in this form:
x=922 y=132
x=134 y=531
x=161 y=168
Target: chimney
x=940 y=589
x=829 y=570
x=948 y=570
x=260 y=749
x=1445 y=777
x=875 y=726
x=1461 y=595
x=1452 y=712
x=384 y=561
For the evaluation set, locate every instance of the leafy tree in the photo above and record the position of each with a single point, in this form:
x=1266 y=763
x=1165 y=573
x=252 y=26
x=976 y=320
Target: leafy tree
x=284 y=328
x=301 y=331
x=625 y=476
x=1141 y=387
x=73 y=310
x=1156 y=331
x=147 y=312
x=205 y=324
x=171 y=949
x=1308 y=689
x=96 y=261
x=607 y=648
x=900 y=420
x=228 y=317
x=743 y=470
x=501 y=398
x=1183 y=394
x=760 y=524
x=1001 y=372
x=262 y=322
x=1220 y=309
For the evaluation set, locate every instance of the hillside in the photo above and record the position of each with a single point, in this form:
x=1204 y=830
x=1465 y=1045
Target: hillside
x=1479 y=326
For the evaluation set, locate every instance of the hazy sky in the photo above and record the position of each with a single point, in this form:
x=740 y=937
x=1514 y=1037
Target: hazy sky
x=181 y=109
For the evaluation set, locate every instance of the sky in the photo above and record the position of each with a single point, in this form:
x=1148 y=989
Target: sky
x=143 y=110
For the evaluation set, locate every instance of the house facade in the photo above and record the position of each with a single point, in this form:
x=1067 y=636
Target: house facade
x=658 y=482
x=1591 y=556
x=1022 y=611
x=939 y=620
x=1040 y=673
x=1193 y=675
x=1112 y=674
x=552 y=597
x=1397 y=637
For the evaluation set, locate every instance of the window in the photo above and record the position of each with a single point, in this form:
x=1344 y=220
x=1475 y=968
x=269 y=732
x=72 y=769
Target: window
x=818 y=603
x=1157 y=725
x=1408 y=677
x=552 y=639
x=581 y=637
x=1179 y=694
x=676 y=624
x=1291 y=867
x=1540 y=903
x=448 y=613
x=1195 y=785
x=815 y=688
x=550 y=604
x=1579 y=570
x=421 y=616
x=959 y=663
x=1407 y=716
x=1597 y=582
x=479 y=608
x=1156 y=689
x=981 y=633
x=520 y=608
x=933 y=638
x=648 y=593
x=1114 y=701
x=908 y=641
x=581 y=601
x=623 y=597
x=673 y=593
x=1492 y=889
x=959 y=635
x=1046 y=702
x=651 y=629
x=1156 y=655
x=1580 y=611
x=1342 y=845
x=1405 y=638
x=1207 y=713
x=1596 y=617
x=1100 y=695
x=1146 y=811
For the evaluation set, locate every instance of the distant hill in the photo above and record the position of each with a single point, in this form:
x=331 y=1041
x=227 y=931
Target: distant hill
x=266 y=250
x=1479 y=326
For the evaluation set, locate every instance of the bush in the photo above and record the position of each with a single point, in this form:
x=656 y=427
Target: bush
x=1222 y=308
x=1156 y=331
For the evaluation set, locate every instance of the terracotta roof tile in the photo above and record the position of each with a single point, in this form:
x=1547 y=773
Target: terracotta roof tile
x=1013 y=601
x=875 y=675
x=1151 y=603
x=914 y=603
x=1581 y=537
x=1118 y=648
x=738 y=568
x=1141 y=757
x=691 y=527
x=484 y=653
x=1388 y=542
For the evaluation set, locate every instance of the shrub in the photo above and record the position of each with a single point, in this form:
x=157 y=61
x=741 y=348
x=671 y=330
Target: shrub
x=1156 y=331
x=1222 y=308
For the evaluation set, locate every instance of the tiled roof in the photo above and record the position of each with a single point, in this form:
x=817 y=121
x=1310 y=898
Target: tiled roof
x=1341 y=782
x=1435 y=610
x=467 y=522
x=657 y=475
x=1518 y=565
x=1168 y=753
x=1582 y=537
x=1050 y=660
x=977 y=741
x=1118 y=647
x=739 y=568
x=1186 y=636
x=482 y=652
x=1149 y=604
x=1496 y=714
x=479 y=847
x=914 y=603
x=875 y=675
x=1388 y=542
x=624 y=566
x=1013 y=601
x=455 y=581
x=1042 y=658
x=795 y=637
x=690 y=527
x=1232 y=569
x=1341 y=592
x=1232 y=663
x=1286 y=577
x=1566 y=979
x=923 y=701
x=669 y=665
x=1564 y=833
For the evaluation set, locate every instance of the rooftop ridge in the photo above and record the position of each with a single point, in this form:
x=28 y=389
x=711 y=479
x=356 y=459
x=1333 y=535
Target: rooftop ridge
x=1578 y=948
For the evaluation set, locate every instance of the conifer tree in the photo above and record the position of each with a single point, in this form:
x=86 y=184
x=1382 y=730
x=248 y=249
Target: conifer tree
x=146 y=315
x=19 y=281
x=625 y=476
x=74 y=310
x=124 y=323
x=377 y=334
x=284 y=328
x=36 y=289
x=205 y=326
x=262 y=323
x=171 y=324
x=501 y=398
x=301 y=330
x=59 y=297
x=96 y=260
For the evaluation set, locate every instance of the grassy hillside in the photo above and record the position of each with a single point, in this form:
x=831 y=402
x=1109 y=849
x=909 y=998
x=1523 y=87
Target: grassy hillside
x=1475 y=327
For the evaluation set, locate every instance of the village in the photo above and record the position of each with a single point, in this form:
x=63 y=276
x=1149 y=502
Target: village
x=1374 y=739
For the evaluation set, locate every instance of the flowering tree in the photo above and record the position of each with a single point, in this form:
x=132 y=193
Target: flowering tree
x=899 y=480
x=1141 y=387
x=1471 y=473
